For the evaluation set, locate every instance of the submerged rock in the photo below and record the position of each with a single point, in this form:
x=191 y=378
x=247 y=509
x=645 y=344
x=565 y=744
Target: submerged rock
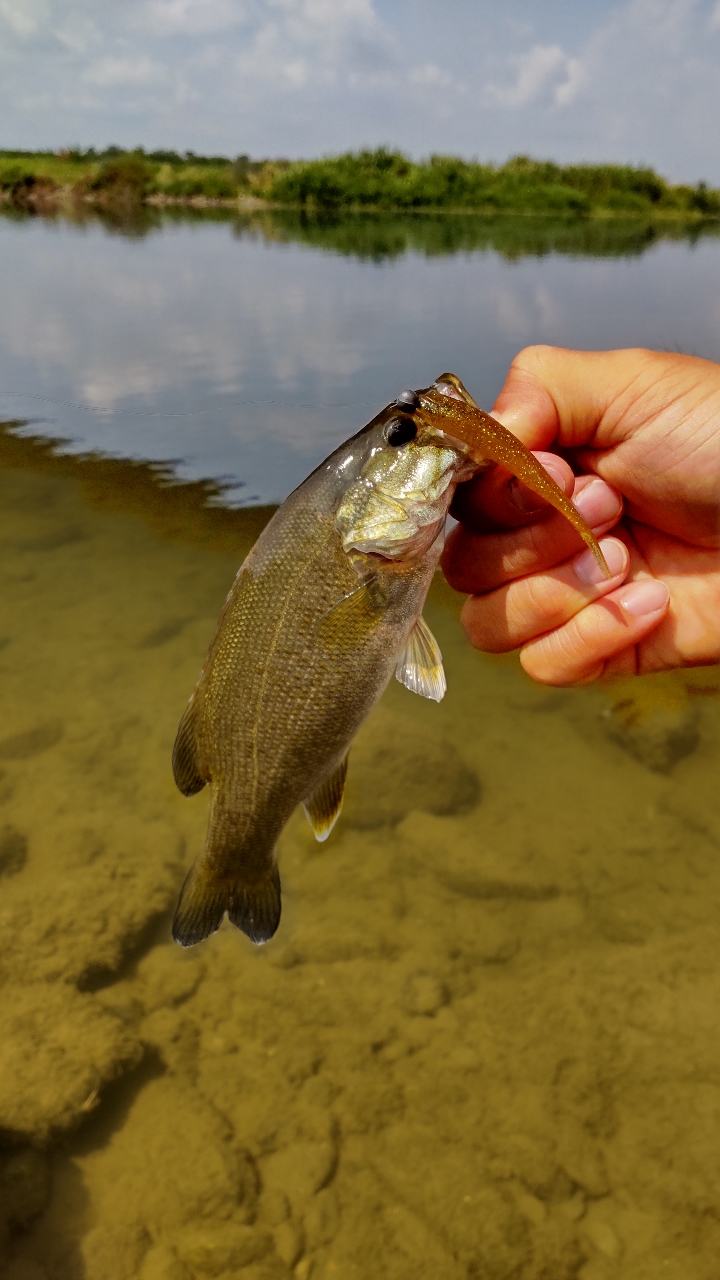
x=24 y=1187
x=655 y=722
x=397 y=766
x=59 y=1050
x=13 y=851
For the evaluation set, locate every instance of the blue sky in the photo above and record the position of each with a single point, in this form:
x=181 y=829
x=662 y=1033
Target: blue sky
x=637 y=81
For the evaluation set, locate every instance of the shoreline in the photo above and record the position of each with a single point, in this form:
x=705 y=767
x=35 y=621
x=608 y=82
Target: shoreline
x=66 y=199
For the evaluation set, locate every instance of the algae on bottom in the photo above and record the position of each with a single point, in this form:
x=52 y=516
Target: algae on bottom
x=483 y=1042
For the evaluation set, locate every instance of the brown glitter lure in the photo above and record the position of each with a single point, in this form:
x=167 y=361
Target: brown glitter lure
x=449 y=408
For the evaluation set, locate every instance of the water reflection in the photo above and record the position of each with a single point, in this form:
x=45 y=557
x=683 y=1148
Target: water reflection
x=377 y=237
x=483 y=1042
x=249 y=347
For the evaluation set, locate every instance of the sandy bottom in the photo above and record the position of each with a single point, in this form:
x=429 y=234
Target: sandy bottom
x=485 y=1041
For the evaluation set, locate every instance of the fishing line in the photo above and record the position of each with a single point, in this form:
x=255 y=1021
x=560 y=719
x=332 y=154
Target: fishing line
x=194 y=413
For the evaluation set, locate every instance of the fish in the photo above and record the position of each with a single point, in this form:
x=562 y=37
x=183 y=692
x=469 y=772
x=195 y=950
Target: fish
x=325 y=608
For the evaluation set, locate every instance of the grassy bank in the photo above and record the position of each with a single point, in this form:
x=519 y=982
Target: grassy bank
x=364 y=180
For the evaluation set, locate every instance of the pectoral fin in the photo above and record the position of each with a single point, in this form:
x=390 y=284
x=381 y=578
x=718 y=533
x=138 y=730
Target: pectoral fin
x=186 y=769
x=420 y=666
x=352 y=617
x=322 y=807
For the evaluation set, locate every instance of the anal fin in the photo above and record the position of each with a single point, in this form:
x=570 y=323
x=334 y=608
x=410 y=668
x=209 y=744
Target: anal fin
x=420 y=666
x=188 y=778
x=322 y=807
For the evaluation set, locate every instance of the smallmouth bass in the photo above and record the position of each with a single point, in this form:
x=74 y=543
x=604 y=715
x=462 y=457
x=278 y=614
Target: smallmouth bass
x=326 y=606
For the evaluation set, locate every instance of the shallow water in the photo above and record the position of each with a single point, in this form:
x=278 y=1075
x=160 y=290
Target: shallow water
x=484 y=1043
x=485 y=1040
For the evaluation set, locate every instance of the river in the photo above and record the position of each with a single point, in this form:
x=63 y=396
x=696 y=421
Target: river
x=484 y=1043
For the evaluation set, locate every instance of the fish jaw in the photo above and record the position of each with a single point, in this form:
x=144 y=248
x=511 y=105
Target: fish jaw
x=397 y=506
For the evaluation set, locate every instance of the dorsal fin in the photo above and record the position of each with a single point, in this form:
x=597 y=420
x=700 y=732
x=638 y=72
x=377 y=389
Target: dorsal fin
x=188 y=777
x=420 y=666
x=322 y=807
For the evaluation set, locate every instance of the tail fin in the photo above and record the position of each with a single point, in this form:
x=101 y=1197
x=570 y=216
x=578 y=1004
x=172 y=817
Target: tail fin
x=253 y=907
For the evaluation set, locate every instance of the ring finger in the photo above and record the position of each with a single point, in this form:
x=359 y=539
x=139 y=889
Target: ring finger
x=528 y=607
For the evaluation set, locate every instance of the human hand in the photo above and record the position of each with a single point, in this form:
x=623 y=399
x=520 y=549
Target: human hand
x=648 y=425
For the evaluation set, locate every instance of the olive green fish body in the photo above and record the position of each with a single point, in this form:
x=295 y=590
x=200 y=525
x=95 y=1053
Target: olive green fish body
x=307 y=641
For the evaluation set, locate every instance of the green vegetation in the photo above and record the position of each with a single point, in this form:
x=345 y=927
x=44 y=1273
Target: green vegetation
x=365 y=180
x=122 y=177
x=387 y=179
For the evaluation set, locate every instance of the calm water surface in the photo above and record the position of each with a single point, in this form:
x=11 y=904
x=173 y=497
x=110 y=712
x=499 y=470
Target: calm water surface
x=249 y=349
x=484 y=1043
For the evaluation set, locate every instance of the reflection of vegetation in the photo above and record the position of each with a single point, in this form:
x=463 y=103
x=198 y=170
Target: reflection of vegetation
x=380 y=179
x=183 y=511
x=378 y=237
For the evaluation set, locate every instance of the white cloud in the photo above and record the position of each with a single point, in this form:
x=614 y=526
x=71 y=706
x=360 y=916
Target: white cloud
x=23 y=17
x=111 y=71
x=429 y=76
x=296 y=44
x=544 y=68
x=190 y=17
x=567 y=92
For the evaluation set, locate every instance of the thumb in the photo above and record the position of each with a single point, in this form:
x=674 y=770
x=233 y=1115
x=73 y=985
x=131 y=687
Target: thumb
x=555 y=396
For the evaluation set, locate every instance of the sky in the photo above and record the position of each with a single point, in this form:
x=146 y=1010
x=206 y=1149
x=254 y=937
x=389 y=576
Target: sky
x=632 y=82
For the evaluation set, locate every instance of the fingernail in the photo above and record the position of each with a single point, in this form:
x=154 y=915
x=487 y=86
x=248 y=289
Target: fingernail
x=526 y=499
x=644 y=597
x=587 y=568
x=598 y=503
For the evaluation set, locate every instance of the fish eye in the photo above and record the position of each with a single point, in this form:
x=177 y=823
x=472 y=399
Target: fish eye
x=409 y=400
x=400 y=431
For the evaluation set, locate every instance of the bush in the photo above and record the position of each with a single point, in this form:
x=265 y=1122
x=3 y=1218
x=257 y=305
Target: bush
x=388 y=179
x=126 y=176
x=15 y=176
x=213 y=186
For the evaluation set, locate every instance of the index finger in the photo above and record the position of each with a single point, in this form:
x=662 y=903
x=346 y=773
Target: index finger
x=573 y=398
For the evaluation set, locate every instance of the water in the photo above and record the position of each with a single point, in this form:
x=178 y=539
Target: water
x=250 y=348
x=484 y=1042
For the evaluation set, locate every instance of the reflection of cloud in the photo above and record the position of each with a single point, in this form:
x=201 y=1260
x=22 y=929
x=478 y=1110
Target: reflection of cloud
x=232 y=346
